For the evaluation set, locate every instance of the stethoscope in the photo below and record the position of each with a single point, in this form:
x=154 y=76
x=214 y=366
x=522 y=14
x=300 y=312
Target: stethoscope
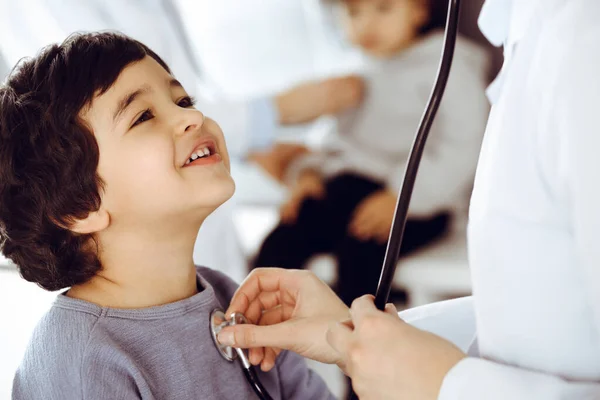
x=218 y=319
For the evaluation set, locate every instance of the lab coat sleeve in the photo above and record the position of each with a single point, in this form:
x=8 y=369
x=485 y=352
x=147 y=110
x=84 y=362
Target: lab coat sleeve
x=573 y=116
x=453 y=320
x=450 y=156
x=475 y=378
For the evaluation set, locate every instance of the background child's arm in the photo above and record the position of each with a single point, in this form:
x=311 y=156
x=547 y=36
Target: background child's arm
x=312 y=100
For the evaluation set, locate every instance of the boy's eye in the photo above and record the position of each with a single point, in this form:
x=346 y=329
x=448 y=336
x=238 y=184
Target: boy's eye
x=146 y=116
x=186 y=102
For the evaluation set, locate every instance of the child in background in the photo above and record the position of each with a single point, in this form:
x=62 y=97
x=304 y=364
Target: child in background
x=107 y=172
x=343 y=198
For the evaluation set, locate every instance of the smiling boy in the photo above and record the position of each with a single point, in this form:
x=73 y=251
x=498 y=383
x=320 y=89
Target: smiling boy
x=107 y=172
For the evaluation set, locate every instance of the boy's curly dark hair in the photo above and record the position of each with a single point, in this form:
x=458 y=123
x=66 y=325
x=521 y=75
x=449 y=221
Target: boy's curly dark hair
x=49 y=157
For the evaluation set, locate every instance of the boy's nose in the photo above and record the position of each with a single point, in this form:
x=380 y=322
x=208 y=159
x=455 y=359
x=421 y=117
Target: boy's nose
x=191 y=121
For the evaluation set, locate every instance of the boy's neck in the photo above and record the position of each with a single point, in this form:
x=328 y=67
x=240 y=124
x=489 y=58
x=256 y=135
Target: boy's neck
x=140 y=271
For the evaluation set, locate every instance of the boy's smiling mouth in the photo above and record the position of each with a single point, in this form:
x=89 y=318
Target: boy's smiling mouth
x=204 y=153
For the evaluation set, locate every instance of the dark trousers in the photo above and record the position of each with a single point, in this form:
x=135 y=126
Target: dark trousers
x=322 y=227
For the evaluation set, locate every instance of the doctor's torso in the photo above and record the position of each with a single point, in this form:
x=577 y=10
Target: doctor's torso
x=533 y=306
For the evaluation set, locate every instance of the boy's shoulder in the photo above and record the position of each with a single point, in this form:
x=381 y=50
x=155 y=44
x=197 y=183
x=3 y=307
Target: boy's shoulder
x=55 y=354
x=63 y=328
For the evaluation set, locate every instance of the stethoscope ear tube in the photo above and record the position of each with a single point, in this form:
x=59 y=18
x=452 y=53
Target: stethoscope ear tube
x=392 y=253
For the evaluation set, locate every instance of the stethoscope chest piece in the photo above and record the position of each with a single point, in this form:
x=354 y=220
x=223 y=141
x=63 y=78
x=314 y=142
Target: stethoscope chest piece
x=218 y=321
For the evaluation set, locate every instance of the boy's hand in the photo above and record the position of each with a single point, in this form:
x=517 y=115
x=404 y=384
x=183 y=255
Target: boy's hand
x=373 y=217
x=314 y=99
x=309 y=185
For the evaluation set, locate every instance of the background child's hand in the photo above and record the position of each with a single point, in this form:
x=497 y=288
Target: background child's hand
x=314 y=99
x=309 y=185
x=373 y=217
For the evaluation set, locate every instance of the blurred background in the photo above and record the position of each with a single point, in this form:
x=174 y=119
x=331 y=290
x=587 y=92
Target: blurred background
x=284 y=79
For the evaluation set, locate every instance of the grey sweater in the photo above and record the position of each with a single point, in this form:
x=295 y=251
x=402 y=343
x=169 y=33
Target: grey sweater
x=375 y=140
x=83 y=351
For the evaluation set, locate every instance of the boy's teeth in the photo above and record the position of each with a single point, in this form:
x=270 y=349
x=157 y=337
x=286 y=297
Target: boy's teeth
x=198 y=154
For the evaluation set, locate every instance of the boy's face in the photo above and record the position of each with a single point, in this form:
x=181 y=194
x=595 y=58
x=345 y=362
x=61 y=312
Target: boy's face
x=384 y=27
x=147 y=129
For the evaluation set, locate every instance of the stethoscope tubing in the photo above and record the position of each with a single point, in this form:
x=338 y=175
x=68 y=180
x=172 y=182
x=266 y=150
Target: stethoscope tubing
x=392 y=253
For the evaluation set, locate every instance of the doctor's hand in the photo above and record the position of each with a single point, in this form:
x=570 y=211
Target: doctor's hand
x=309 y=185
x=311 y=100
x=388 y=358
x=290 y=310
x=373 y=217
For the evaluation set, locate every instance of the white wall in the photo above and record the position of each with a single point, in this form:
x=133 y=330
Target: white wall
x=258 y=47
x=4 y=69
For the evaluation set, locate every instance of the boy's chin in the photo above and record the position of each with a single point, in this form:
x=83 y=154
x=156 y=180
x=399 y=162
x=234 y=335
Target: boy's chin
x=218 y=195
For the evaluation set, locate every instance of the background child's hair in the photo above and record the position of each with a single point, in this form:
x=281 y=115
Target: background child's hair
x=49 y=157
x=438 y=10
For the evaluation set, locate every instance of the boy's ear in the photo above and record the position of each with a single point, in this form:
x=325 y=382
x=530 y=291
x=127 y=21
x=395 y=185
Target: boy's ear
x=95 y=222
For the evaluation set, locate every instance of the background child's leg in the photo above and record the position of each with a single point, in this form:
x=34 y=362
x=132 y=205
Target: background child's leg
x=320 y=225
x=291 y=245
x=359 y=267
x=359 y=263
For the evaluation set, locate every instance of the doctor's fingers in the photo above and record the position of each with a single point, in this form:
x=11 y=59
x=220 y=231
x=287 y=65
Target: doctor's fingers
x=340 y=337
x=263 y=302
x=390 y=308
x=276 y=315
x=367 y=319
x=270 y=359
x=252 y=336
x=266 y=280
x=256 y=355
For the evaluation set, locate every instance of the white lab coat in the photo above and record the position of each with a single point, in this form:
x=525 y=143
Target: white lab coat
x=26 y=26
x=534 y=214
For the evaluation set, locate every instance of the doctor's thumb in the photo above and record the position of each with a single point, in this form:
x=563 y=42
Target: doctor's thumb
x=249 y=336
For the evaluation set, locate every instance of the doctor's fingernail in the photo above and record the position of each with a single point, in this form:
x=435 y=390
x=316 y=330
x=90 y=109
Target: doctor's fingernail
x=226 y=338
